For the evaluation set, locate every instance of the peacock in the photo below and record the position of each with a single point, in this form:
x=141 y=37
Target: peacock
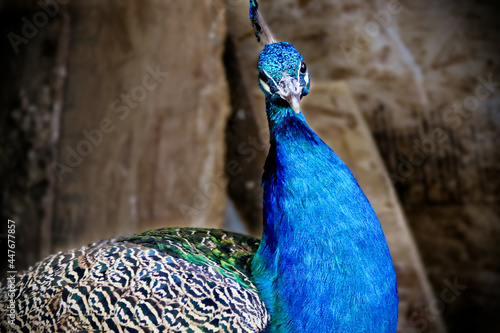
x=322 y=265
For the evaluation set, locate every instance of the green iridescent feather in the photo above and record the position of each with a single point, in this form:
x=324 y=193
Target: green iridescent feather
x=230 y=253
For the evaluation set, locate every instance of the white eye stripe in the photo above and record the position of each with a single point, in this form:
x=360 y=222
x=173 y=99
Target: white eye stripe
x=265 y=86
x=306 y=76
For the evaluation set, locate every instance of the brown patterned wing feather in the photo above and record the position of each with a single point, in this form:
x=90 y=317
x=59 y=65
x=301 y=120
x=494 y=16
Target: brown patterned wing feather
x=167 y=280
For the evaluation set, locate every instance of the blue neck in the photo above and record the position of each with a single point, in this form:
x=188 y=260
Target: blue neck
x=323 y=264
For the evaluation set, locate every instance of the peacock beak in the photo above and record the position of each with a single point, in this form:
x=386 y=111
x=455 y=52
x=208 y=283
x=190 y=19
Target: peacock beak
x=290 y=90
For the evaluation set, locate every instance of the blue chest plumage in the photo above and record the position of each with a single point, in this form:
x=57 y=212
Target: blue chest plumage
x=323 y=265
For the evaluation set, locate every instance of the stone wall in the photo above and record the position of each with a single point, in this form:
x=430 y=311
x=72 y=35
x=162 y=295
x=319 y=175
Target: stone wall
x=113 y=118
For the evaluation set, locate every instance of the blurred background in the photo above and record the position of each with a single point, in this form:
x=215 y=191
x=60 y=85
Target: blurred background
x=122 y=116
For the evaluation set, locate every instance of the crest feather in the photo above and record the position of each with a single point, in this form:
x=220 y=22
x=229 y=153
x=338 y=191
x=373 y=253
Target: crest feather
x=260 y=27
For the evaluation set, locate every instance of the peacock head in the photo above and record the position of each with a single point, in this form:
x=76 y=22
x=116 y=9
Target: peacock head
x=283 y=74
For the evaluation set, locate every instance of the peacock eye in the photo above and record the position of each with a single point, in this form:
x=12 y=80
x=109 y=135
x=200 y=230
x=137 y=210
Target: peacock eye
x=303 y=67
x=263 y=77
